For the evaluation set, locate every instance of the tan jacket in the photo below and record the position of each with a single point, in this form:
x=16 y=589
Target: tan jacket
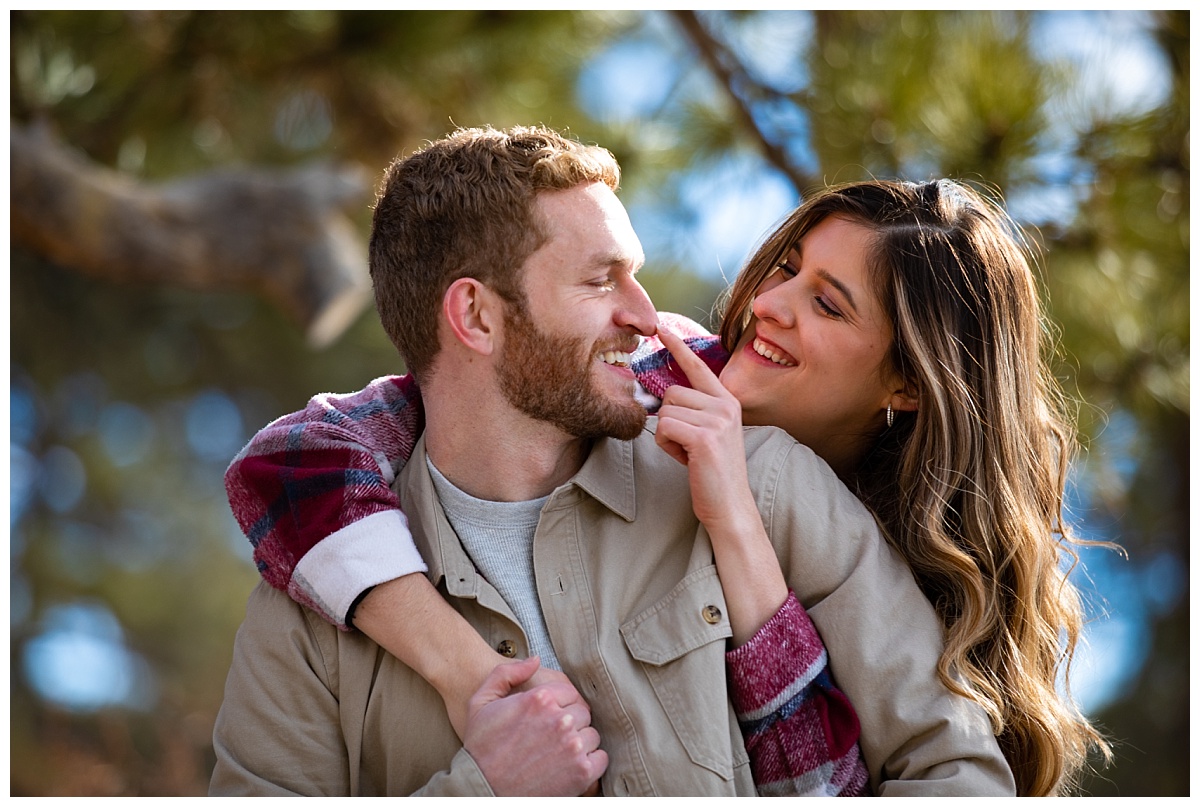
x=626 y=580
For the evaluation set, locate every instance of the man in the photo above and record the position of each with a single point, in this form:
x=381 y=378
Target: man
x=505 y=270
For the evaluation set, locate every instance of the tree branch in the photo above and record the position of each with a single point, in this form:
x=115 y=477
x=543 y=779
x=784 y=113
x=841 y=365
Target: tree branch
x=730 y=74
x=281 y=235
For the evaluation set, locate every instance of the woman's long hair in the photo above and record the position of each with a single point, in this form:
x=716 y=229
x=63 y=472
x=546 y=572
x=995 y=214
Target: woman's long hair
x=969 y=488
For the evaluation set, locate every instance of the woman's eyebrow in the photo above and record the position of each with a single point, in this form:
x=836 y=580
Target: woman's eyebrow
x=837 y=284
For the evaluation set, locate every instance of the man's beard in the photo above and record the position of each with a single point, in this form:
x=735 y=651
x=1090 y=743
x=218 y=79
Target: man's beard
x=549 y=377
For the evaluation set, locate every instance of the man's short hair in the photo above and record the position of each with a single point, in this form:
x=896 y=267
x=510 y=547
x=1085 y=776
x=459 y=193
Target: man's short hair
x=463 y=207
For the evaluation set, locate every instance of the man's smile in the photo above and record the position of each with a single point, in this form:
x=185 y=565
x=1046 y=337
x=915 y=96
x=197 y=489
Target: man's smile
x=617 y=358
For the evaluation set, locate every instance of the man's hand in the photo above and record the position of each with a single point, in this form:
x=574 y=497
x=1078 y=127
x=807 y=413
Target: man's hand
x=534 y=743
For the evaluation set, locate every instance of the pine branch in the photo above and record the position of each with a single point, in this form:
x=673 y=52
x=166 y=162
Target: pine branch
x=730 y=74
x=282 y=235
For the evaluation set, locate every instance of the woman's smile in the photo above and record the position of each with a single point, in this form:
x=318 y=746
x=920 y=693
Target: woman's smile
x=772 y=352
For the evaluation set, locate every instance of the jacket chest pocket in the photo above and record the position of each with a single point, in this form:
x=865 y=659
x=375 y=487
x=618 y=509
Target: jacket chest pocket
x=680 y=641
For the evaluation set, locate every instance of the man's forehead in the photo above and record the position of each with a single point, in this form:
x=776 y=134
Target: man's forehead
x=589 y=198
x=590 y=220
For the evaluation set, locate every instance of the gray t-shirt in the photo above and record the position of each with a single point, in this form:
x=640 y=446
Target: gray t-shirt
x=498 y=537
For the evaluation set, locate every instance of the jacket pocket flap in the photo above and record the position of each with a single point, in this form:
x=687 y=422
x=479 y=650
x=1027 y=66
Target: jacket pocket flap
x=690 y=616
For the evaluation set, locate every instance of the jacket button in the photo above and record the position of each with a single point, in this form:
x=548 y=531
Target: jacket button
x=711 y=613
x=507 y=649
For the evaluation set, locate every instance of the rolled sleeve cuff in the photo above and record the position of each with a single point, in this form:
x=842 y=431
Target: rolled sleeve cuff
x=783 y=657
x=372 y=550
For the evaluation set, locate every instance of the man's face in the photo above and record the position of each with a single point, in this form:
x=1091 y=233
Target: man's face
x=565 y=356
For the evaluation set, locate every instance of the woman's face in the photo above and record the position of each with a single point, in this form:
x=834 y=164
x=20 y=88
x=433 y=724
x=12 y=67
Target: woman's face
x=813 y=360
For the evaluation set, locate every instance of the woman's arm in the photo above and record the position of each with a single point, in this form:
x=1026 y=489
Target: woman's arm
x=701 y=427
x=312 y=492
x=412 y=621
x=800 y=731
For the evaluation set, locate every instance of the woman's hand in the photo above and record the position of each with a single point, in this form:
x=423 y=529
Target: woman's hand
x=702 y=428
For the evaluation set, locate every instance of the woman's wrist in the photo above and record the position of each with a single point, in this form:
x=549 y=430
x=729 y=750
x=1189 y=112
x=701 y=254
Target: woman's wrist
x=754 y=585
x=408 y=618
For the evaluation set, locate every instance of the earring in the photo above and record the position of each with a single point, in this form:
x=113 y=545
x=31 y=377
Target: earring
x=890 y=416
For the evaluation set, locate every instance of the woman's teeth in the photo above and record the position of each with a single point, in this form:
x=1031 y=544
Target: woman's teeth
x=766 y=352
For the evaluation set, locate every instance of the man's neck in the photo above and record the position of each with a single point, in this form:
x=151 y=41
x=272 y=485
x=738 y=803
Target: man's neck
x=493 y=452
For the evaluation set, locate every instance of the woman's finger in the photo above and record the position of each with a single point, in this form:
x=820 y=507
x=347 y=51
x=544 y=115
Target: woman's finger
x=698 y=418
x=665 y=439
x=698 y=373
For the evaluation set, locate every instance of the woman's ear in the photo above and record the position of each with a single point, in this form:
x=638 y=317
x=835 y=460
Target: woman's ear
x=473 y=312
x=902 y=395
x=905 y=399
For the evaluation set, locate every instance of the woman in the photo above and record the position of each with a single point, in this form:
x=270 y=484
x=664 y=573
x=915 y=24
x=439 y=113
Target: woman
x=894 y=329
x=949 y=432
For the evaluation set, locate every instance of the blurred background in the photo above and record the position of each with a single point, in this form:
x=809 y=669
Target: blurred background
x=191 y=195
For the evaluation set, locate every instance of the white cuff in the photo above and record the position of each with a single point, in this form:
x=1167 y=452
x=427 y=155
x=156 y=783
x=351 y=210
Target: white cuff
x=649 y=401
x=366 y=553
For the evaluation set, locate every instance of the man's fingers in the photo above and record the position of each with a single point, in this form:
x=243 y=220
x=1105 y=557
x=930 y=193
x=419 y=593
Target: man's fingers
x=503 y=679
x=563 y=693
x=547 y=675
x=697 y=372
x=581 y=718
x=598 y=762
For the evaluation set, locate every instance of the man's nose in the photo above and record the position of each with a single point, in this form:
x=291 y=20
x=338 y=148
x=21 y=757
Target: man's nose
x=637 y=311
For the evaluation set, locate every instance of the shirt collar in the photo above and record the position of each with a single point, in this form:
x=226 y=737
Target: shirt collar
x=607 y=476
x=435 y=538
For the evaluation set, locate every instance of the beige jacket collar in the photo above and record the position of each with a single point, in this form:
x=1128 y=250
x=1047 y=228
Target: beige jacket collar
x=607 y=476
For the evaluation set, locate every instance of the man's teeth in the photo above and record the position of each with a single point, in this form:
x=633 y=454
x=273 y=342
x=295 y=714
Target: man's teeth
x=767 y=353
x=615 y=357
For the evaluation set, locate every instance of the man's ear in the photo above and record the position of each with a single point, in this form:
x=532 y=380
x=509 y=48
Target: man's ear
x=473 y=312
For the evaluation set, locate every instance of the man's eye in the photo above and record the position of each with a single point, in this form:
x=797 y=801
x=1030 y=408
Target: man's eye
x=604 y=285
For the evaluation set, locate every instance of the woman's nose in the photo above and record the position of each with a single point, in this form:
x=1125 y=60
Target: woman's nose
x=773 y=303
